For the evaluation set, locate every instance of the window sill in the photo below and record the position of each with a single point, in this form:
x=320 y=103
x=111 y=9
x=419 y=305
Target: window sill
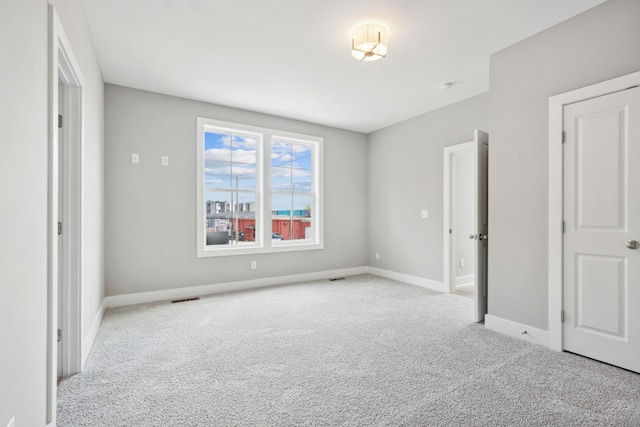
x=252 y=250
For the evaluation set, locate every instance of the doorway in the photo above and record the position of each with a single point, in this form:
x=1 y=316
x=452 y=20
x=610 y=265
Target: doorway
x=465 y=222
x=594 y=257
x=64 y=212
x=69 y=230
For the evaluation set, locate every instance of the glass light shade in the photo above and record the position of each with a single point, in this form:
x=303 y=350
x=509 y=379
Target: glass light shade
x=369 y=42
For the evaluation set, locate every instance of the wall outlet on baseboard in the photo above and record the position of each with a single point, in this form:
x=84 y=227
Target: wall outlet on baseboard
x=461 y=262
x=12 y=423
x=377 y=255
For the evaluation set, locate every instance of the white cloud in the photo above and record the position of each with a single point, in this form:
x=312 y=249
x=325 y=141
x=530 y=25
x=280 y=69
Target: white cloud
x=245 y=142
x=227 y=155
x=225 y=140
x=238 y=141
x=290 y=154
x=301 y=186
x=286 y=172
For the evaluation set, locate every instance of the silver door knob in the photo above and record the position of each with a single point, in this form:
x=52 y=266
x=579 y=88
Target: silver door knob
x=633 y=244
x=482 y=237
x=473 y=236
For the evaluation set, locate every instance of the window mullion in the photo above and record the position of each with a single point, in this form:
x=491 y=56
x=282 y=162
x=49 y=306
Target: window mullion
x=267 y=191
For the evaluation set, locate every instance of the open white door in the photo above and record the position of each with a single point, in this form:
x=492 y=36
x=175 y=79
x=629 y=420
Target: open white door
x=64 y=206
x=479 y=150
x=61 y=247
x=601 y=300
x=481 y=221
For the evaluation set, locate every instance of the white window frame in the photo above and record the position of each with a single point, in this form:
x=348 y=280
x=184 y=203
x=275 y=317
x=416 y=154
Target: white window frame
x=263 y=242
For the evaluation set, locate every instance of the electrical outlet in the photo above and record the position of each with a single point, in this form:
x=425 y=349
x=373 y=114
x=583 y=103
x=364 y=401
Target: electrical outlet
x=424 y=214
x=253 y=265
x=377 y=255
x=135 y=158
x=165 y=160
x=461 y=262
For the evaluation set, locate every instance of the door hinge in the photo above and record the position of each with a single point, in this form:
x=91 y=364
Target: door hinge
x=563 y=136
x=59 y=228
x=59 y=335
x=563 y=226
x=59 y=121
x=562 y=315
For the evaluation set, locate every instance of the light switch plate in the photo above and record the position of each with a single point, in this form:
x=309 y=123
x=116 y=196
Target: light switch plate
x=165 y=160
x=135 y=158
x=424 y=214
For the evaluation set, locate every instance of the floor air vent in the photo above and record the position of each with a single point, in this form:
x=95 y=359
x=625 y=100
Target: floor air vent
x=185 y=300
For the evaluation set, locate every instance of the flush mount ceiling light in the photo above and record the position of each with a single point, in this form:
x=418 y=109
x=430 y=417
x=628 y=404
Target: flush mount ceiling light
x=369 y=42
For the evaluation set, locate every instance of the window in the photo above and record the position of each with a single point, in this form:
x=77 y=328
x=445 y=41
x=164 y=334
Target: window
x=259 y=190
x=292 y=191
x=231 y=186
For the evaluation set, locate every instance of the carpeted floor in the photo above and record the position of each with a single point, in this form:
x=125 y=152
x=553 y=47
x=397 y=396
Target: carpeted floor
x=364 y=351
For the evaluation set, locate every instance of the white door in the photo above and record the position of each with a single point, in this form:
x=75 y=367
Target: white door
x=481 y=221
x=601 y=291
x=61 y=248
x=478 y=232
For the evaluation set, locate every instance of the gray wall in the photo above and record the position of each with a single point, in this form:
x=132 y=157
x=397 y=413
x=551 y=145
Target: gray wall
x=600 y=44
x=151 y=209
x=23 y=185
x=405 y=177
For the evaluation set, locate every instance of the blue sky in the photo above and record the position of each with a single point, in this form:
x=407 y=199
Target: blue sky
x=230 y=163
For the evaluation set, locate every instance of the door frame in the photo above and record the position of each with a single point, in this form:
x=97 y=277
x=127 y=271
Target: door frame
x=63 y=67
x=556 y=194
x=449 y=210
x=480 y=145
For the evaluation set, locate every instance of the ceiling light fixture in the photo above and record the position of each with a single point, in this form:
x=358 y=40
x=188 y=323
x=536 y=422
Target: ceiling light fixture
x=369 y=42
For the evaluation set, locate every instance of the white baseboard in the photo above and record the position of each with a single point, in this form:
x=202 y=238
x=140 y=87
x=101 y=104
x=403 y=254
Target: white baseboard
x=87 y=342
x=469 y=279
x=516 y=330
x=196 y=291
x=412 y=280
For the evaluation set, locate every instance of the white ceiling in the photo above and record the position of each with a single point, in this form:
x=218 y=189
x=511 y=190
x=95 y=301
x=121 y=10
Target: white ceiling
x=292 y=58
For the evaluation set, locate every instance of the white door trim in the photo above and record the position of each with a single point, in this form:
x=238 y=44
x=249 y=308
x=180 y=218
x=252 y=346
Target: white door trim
x=449 y=152
x=64 y=67
x=556 y=196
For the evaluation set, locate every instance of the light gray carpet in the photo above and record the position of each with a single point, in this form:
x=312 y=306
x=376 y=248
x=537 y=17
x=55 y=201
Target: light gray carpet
x=364 y=351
